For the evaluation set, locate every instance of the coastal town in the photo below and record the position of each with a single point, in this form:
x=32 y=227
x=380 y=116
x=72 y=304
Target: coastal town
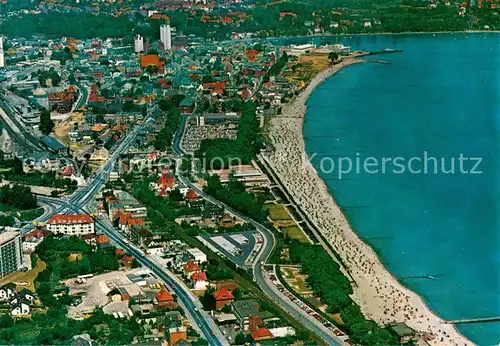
x=155 y=187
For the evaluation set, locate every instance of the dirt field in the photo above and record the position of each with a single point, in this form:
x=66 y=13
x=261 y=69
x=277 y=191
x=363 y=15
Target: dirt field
x=318 y=62
x=24 y=279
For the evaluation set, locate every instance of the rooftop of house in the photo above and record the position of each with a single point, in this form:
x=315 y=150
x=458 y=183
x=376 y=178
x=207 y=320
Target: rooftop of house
x=199 y=276
x=71 y=219
x=191 y=266
x=223 y=294
x=164 y=296
x=262 y=333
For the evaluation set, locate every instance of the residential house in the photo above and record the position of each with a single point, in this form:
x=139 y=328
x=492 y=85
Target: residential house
x=222 y=297
x=33 y=239
x=191 y=267
x=187 y=106
x=7 y=291
x=177 y=334
x=20 y=307
x=99 y=155
x=200 y=281
x=262 y=334
x=164 y=300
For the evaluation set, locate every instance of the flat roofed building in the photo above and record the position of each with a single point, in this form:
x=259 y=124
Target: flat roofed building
x=197 y=255
x=74 y=224
x=11 y=252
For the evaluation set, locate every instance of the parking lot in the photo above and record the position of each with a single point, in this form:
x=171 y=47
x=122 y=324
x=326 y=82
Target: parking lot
x=305 y=307
x=241 y=248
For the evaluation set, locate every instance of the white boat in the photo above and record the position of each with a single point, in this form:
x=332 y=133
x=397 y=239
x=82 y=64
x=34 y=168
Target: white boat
x=337 y=47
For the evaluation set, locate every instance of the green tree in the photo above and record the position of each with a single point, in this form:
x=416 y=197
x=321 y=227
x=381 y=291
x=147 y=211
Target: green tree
x=46 y=123
x=333 y=56
x=208 y=301
x=240 y=339
x=6 y=321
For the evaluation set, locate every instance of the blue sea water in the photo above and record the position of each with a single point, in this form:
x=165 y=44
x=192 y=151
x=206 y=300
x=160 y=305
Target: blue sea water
x=440 y=96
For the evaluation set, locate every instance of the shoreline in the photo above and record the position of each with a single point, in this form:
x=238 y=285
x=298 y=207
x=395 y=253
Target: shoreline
x=386 y=33
x=379 y=294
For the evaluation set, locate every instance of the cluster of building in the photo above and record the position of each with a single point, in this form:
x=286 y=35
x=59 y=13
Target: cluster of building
x=20 y=300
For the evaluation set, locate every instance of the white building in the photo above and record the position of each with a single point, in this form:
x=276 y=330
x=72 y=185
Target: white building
x=30 y=245
x=20 y=308
x=200 y=281
x=7 y=291
x=75 y=224
x=198 y=255
x=2 y=61
x=139 y=44
x=166 y=36
x=298 y=50
x=11 y=252
x=282 y=332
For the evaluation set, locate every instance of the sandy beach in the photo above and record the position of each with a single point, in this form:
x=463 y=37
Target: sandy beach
x=380 y=296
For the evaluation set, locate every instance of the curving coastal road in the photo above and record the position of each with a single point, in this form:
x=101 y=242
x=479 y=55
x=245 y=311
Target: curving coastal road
x=261 y=277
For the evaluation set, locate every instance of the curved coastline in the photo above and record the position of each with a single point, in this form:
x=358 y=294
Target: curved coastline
x=379 y=294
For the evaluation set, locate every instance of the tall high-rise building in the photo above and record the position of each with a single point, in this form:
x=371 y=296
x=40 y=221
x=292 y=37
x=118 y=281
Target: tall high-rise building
x=166 y=36
x=138 y=44
x=2 y=61
x=11 y=252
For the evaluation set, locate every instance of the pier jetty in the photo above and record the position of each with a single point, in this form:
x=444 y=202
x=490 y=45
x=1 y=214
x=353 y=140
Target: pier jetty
x=474 y=320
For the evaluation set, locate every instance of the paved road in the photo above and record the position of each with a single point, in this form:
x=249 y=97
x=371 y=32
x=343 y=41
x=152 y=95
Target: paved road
x=77 y=203
x=19 y=134
x=84 y=95
x=260 y=276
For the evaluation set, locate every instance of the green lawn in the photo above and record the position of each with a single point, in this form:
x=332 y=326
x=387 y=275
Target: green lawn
x=294 y=232
x=31 y=214
x=277 y=212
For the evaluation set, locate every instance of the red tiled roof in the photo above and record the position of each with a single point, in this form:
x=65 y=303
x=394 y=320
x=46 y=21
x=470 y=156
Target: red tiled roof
x=67 y=171
x=137 y=221
x=70 y=219
x=166 y=181
x=164 y=296
x=283 y=14
x=262 y=333
x=199 y=276
x=151 y=59
x=102 y=239
x=190 y=266
x=159 y=16
x=36 y=233
x=191 y=195
x=223 y=294
x=124 y=217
